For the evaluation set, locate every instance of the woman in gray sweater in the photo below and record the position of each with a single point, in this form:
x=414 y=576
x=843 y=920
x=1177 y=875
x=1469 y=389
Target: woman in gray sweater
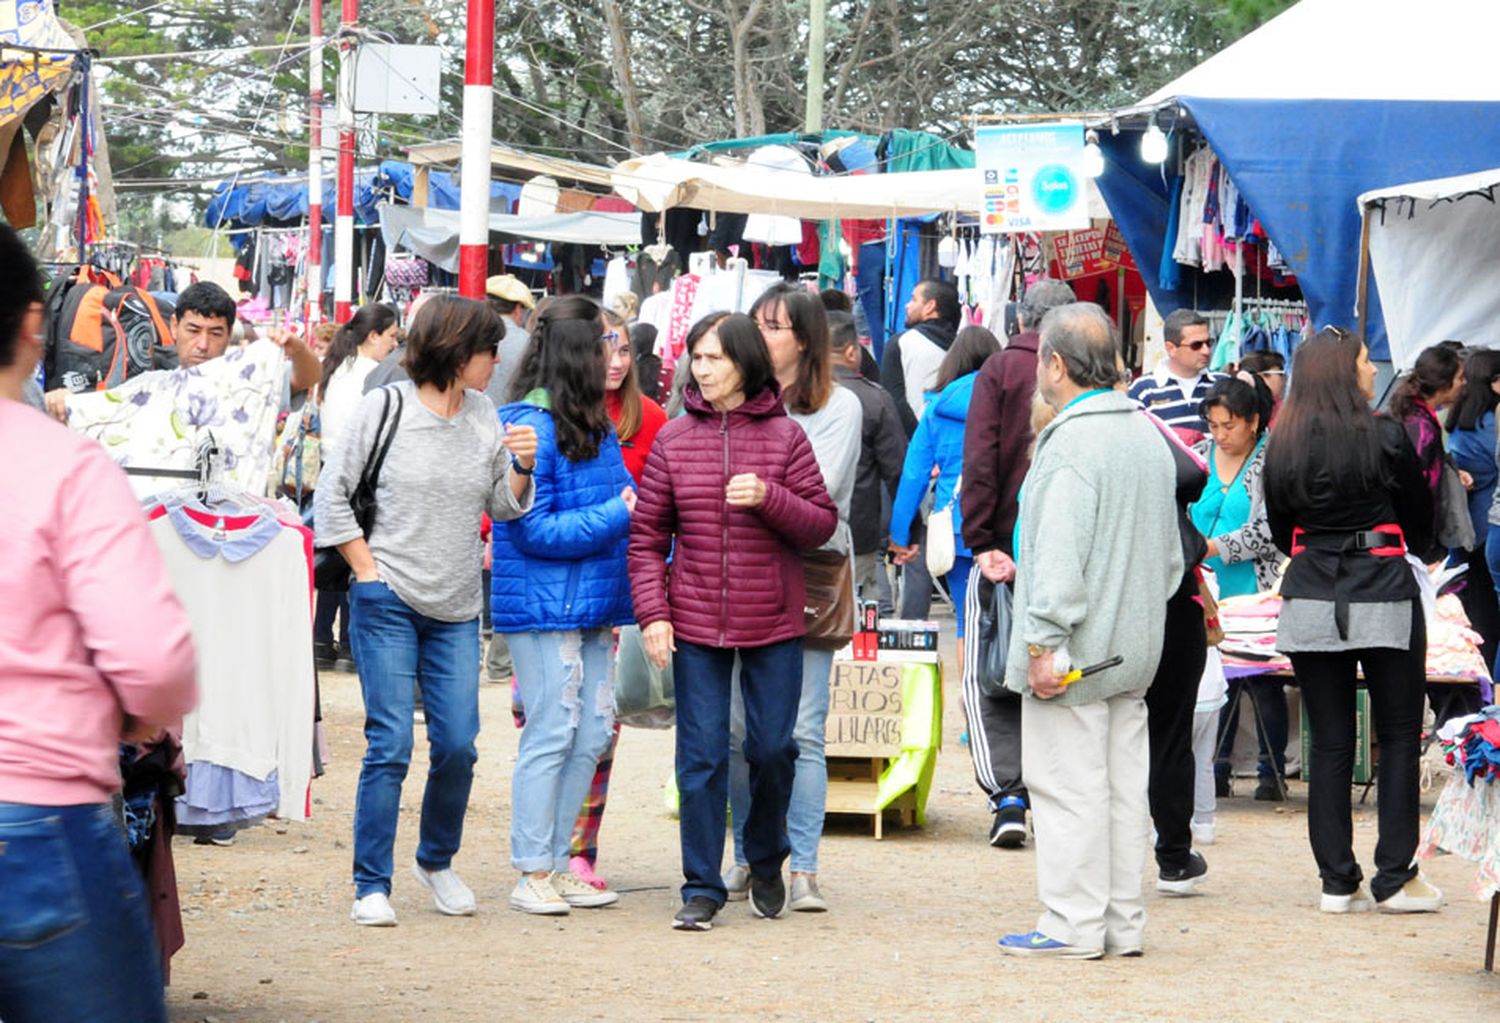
x=415 y=601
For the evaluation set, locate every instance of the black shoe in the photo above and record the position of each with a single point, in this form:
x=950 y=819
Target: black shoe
x=346 y=665
x=1221 y=788
x=1009 y=828
x=767 y=896
x=1269 y=791
x=324 y=654
x=1184 y=880
x=697 y=914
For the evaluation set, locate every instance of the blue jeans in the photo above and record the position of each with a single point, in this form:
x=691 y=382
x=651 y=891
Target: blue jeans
x=398 y=649
x=804 y=817
x=76 y=944
x=769 y=677
x=566 y=680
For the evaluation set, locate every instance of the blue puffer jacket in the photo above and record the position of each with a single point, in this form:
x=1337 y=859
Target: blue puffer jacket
x=561 y=566
x=939 y=441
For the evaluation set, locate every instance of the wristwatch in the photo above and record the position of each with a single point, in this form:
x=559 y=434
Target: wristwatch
x=1033 y=650
x=515 y=464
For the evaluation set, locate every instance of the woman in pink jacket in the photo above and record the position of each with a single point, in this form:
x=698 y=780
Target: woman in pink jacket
x=732 y=492
x=94 y=647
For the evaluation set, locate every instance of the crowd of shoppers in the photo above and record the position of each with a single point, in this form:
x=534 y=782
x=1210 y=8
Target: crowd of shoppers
x=1109 y=509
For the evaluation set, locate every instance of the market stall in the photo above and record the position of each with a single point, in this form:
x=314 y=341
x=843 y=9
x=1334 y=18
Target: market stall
x=1326 y=101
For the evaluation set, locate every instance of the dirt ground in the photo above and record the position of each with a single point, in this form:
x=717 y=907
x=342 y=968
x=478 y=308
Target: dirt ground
x=911 y=934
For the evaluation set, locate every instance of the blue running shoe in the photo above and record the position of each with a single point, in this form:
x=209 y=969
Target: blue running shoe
x=1039 y=945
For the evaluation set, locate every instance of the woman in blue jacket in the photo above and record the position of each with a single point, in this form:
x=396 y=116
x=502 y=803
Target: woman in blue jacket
x=558 y=589
x=939 y=444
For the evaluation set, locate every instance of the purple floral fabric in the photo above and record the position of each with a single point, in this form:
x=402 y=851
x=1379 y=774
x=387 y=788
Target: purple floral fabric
x=156 y=420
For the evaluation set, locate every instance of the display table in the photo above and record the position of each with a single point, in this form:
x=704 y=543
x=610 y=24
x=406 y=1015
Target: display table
x=1466 y=823
x=885 y=726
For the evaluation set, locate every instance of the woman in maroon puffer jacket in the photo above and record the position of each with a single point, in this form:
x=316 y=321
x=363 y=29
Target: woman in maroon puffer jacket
x=735 y=485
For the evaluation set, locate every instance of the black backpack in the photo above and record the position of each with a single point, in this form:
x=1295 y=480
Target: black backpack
x=101 y=332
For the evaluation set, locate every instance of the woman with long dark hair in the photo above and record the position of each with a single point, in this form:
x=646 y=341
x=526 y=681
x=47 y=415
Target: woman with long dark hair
x=1346 y=500
x=414 y=604
x=355 y=351
x=1471 y=442
x=939 y=444
x=795 y=327
x=636 y=419
x=558 y=589
x=733 y=494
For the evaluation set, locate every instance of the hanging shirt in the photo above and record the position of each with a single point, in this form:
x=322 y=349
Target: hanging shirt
x=245 y=581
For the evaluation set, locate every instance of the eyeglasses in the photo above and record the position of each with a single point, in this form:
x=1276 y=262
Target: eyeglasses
x=612 y=340
x=1194 y=346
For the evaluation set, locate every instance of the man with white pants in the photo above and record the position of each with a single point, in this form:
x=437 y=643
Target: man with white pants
x=1098 y=557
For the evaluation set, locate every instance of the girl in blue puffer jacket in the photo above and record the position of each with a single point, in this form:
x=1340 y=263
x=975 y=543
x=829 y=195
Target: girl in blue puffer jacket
x=558 y=589
x=939 y=444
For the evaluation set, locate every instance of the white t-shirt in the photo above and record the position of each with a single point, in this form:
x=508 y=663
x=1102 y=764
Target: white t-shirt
x=345 y=388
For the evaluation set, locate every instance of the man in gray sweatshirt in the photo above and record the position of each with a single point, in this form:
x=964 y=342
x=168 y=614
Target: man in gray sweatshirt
x=1098 y=556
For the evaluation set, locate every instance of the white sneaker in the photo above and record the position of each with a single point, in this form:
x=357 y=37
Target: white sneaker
x=737 y=882
x=1416 y=896
x=1358 y=901
x=577 y=892
x=449 y=894
x=374 y=910
x=1204 y=834
x=536 y=895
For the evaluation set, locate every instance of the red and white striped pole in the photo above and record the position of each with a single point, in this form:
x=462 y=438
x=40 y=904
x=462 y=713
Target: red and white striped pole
x=474 y=181
x=315 y=164
x=343 y=225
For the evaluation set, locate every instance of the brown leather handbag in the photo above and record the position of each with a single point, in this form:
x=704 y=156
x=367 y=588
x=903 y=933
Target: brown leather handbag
x=829 y=578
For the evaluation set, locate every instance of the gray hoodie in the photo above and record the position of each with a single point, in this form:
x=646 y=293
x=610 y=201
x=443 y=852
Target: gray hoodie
x=1098 y=553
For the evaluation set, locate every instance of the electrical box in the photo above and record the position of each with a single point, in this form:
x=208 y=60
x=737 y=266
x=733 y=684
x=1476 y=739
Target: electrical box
x=396 y=79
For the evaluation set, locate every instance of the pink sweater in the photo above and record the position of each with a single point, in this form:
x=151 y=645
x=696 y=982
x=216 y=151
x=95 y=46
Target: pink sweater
x=90 y=629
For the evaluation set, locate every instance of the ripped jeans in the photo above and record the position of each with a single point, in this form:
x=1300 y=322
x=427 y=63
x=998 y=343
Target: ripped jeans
x=567 y=684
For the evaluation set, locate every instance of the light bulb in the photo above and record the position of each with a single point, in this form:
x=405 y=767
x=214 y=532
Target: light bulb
x=1153 y=145
x=1093 y=160
x=947 y=251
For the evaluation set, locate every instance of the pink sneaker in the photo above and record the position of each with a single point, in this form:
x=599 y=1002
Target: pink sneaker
x=584 y=871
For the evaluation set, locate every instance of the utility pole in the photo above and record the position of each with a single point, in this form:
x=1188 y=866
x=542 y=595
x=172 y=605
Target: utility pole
x=474 y=179
x=816 y=51
x=315 y=164
x=343 y=238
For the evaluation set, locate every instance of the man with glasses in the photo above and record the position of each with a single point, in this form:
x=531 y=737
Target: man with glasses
x=1180 y=382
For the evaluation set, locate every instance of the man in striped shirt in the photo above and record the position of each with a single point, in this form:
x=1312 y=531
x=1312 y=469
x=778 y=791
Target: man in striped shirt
x=1180 y=382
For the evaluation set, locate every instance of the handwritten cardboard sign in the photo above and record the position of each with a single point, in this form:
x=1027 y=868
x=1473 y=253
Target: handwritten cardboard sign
x=864 y=710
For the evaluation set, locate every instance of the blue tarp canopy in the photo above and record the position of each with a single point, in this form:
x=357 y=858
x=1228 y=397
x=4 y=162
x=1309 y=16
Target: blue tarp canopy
x=252 y=202
x=1328 y=100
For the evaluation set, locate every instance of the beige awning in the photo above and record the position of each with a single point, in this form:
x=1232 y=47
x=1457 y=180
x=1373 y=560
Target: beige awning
x=450 y=154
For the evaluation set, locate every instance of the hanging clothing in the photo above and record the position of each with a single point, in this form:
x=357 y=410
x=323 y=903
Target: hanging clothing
x=255 y=665
x=785 y=166
x=157 y=419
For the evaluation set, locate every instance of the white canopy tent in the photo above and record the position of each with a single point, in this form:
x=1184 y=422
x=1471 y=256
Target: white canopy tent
x=1435 y=50
x=660 y=182
x=1434 y=248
